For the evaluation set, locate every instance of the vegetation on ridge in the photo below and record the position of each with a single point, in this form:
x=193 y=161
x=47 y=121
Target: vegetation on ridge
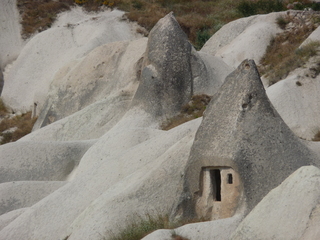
x=283 y=55
x=200 y=19
x=39 y=15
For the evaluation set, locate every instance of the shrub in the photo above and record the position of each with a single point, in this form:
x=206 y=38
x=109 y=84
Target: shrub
x=306 y=5
x=94 y=5
x=249 y=8
x=282 y=22
x=140 y=226
x=202 y=37
x=136 y=4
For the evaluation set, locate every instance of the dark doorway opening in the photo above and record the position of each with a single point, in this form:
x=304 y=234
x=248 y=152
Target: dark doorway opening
x=215 y=177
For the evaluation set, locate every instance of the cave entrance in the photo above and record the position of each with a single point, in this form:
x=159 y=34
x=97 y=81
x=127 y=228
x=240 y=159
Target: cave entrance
x=215 y=180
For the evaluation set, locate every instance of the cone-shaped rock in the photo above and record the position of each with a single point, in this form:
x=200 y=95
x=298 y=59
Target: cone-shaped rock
x=166 y=78
x=242 y=149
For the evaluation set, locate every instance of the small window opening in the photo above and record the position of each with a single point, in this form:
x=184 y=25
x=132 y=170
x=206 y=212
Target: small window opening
x=230 y=178
x=216 y=183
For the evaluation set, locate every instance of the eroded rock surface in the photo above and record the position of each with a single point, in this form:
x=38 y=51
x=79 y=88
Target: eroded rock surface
x=11 y=41
x=28 y=79
x=41 y=161
x=290 y=211
x=166 y=77
x=22 y=194
x=244 y=144
x=107 y=73
x=243 y=38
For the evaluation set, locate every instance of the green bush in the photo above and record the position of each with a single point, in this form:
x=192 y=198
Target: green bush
x=140 y=226
x=305 y=5
x=202 y=37
x=249 y=8
x=282 y=22
x=137 y=4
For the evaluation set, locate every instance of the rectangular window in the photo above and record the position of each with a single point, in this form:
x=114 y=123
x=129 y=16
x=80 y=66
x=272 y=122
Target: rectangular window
x=230 y=178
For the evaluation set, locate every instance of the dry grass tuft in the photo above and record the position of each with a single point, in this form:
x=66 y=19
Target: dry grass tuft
x=178 y=237
x=39 y=15
x=316 y=137
x=3 y=109
x=283 y=55
x=200 y=19
x=190 y=111
x=20 y=125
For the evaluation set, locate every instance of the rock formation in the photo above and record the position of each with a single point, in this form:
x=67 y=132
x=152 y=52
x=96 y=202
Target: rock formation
x=97 y=158
x=166 y=77
x=61 y=46
x=242 y=149
x=40 y=161
x=11 y=41
x=290 y=211
x=108 y=73
x=172 y=71
x=22 y=194
x=244 y=38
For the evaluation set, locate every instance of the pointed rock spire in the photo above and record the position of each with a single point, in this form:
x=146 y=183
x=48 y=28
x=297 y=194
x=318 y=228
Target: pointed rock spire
x=242 y=149
x=166 y=78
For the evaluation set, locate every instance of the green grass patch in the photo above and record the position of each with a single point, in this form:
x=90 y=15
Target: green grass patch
x=140 y=226
x=249 y=7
